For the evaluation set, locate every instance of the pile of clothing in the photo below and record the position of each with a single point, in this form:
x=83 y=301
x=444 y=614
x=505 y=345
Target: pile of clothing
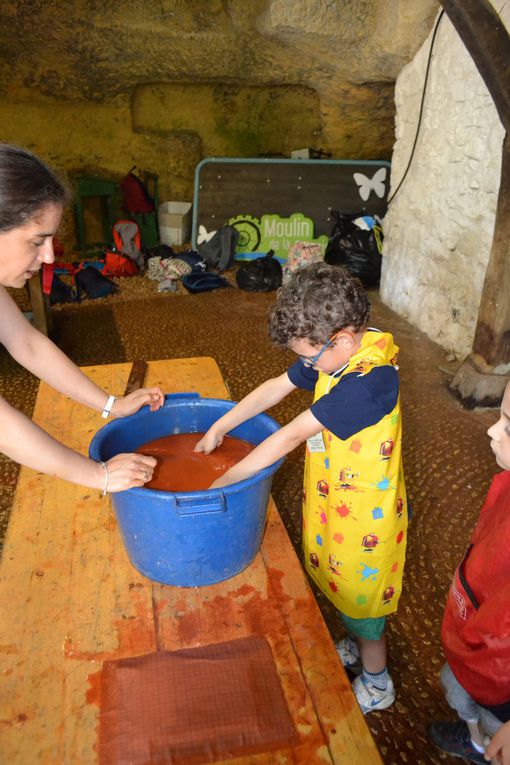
x=168 y=268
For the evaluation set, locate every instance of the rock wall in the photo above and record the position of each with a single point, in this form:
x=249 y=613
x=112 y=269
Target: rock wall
x=95 y=88
x=439 y=228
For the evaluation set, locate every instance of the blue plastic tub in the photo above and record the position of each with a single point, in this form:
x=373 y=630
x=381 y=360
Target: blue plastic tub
x=196 y=538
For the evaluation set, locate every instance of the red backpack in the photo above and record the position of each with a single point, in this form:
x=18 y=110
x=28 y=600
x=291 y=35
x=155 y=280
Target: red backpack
x=126 y=259
x=120 y=244
x=136 y=197
x=117 y=264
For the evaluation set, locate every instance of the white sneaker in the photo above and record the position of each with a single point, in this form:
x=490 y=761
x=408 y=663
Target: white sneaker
x=349 y=657
x=370 y=698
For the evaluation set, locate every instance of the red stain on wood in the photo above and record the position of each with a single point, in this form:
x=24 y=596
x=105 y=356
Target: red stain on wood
x=93 y=695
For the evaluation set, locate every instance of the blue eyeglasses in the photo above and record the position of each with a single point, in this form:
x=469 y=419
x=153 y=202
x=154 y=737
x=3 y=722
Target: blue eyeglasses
x=311 y=361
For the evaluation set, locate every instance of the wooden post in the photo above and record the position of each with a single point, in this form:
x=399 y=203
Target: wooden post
x=492 y=336
x=40 y=305
x=482 y=377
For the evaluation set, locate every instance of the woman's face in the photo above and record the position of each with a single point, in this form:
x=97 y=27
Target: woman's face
x=24 y=249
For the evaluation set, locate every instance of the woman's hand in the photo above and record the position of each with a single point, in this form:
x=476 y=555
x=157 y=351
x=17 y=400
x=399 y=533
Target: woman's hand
x=125 y=471
x=122 y=407
x=210 y=441
x=499 y=747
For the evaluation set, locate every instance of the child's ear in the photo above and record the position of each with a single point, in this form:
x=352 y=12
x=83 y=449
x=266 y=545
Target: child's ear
x=345 y=339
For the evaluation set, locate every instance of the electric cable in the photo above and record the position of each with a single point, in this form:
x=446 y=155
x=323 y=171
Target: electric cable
x=421 y=109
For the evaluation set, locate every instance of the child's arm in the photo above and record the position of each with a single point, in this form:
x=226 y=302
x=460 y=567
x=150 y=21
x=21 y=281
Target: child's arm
x=275 y=446
x=499 y=747
x=268 y=394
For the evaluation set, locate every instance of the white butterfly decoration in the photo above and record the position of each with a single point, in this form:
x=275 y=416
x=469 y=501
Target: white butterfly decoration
x=204 y=235
x=367 y=185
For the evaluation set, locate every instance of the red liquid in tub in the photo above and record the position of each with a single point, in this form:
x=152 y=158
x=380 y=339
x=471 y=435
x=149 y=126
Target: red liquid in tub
x=181 y=469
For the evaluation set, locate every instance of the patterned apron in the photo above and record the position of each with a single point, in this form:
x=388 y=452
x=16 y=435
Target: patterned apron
x=354 y=502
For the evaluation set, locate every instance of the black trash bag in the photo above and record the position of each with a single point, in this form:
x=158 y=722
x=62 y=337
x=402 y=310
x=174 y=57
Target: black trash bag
x=357 y=250
x=260 y=275
x=92 y=282
x=219 y=251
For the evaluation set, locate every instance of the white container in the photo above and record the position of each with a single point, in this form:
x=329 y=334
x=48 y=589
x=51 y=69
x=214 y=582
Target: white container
x=174 y=219
x=300 y=154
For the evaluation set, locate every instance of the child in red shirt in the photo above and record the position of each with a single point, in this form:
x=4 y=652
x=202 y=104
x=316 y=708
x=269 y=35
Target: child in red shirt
x=476 y=625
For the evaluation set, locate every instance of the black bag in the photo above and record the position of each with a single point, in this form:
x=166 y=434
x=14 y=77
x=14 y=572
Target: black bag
x=219 y=251
x=357 y=250
x=92 y=282
x=202 y=281
x=162 y=251
x=61 y=292
x=260 y=275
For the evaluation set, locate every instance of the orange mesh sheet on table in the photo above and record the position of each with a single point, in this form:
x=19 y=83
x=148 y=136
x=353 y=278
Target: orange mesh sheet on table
x=191 y=706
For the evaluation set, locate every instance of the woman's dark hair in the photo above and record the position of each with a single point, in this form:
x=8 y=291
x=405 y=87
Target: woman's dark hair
x=26 y=185
x=316 y=302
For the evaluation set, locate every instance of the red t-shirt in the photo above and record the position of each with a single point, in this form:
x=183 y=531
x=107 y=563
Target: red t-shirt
x=476 y=622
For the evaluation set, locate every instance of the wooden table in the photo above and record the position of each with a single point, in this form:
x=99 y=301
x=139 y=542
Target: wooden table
x=71 y=599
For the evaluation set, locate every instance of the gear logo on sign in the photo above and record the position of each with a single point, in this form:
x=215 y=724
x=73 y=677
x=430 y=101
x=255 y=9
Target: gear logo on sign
x=271 y=232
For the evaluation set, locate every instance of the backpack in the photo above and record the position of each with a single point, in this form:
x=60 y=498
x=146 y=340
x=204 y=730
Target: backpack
x=127 y=240
x=92 y=282
x=117 y=264
x=136 y=196
x=300 y=255
x=219 y=251
x=260 y=275
x=60 y=292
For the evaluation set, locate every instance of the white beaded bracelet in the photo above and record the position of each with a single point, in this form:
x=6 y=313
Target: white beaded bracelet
x=105 y=487
x=108 y=407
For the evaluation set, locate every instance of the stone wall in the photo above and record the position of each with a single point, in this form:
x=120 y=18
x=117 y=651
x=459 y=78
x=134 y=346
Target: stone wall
x=96 y=88
x=439 y=228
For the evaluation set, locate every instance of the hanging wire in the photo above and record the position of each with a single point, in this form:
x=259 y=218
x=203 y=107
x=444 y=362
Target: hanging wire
x=421 y=108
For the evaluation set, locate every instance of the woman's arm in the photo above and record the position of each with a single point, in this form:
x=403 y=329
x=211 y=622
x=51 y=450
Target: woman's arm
x=25 y=442
x=39 y=355
x=275 y=446
x=270 y=393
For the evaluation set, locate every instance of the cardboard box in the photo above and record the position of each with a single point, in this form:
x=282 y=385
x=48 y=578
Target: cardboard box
x=300 y=154
x=174 y=219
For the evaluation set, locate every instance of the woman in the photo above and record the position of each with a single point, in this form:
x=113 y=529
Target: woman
x=32 y=199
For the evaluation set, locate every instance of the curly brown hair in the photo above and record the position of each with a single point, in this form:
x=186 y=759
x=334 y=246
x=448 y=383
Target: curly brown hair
x=316 y=302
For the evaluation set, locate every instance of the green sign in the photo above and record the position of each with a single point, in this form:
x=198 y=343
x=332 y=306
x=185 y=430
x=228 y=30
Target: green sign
x=271 y=232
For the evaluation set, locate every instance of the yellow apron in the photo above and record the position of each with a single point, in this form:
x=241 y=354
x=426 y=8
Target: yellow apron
x=354 y=502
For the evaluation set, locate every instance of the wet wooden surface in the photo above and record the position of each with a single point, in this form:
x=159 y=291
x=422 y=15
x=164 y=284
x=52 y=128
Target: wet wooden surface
x=71 y=599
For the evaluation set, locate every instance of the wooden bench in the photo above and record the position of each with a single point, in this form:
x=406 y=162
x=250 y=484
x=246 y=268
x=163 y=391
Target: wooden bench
x=71 y=600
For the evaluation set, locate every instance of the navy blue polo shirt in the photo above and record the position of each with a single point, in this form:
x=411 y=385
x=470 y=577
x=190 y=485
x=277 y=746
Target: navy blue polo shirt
x=355 y=402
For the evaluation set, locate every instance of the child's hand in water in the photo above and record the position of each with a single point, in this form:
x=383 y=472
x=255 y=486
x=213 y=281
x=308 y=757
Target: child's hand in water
x=209 y=442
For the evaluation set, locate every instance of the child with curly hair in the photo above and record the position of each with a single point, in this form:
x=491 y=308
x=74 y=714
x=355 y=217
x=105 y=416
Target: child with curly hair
x=355 y=507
